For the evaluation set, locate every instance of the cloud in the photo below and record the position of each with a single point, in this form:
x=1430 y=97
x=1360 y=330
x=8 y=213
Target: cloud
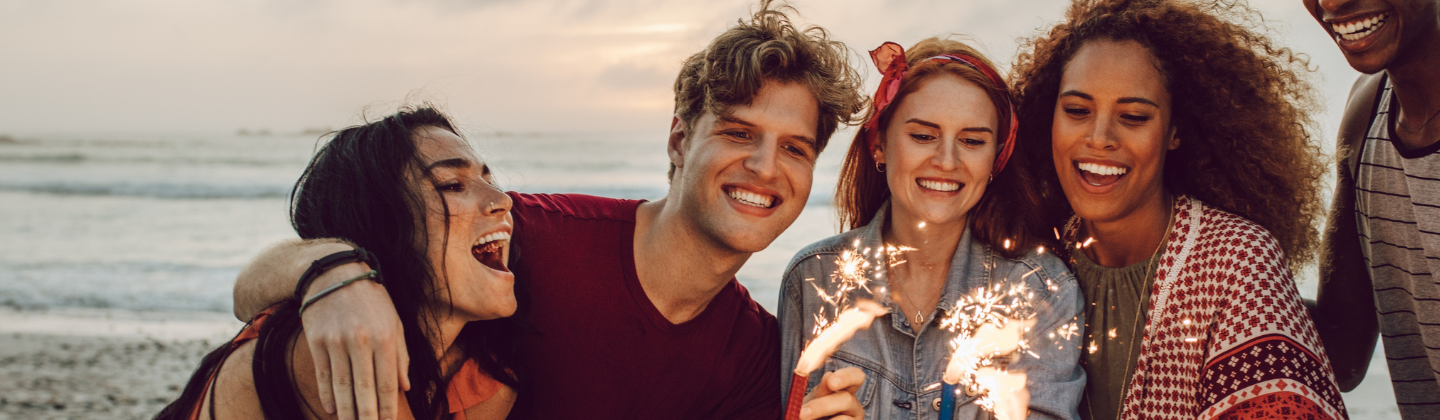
x=630 y=76
x=506 y=64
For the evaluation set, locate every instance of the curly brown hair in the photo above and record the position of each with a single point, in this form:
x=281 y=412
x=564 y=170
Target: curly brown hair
x=1003 y=214
x=767 y=47
x=1242 y=108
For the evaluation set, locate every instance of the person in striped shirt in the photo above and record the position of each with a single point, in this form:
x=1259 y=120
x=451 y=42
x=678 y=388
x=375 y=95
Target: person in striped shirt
x=1382 y=240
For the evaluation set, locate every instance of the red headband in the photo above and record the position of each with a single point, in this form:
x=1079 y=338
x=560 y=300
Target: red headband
x=890 y=59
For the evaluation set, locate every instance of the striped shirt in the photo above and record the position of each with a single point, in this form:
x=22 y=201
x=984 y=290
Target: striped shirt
x=1397 y=205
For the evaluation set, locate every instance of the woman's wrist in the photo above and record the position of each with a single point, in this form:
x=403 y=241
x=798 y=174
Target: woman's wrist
x=334 y=276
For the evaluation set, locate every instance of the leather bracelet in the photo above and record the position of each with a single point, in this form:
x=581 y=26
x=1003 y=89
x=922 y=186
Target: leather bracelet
x=337 y=259
x=372 y=274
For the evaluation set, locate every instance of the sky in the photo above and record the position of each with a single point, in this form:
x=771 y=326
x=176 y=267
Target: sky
x=502 y=65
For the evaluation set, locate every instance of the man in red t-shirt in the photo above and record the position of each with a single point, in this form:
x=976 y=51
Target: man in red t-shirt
x=632 y=309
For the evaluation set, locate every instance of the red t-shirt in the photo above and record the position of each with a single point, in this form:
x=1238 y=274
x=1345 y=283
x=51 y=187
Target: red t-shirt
x=596 y=347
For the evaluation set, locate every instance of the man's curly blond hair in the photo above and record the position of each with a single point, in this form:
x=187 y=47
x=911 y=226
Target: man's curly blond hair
x=764 y=48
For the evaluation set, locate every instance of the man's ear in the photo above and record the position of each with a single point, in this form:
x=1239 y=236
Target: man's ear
x=676 y=144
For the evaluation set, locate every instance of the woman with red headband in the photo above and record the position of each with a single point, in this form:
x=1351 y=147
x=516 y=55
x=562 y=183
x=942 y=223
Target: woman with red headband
x=932 y=216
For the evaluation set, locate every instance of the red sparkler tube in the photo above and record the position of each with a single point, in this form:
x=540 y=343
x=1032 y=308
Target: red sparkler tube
x=797 y=396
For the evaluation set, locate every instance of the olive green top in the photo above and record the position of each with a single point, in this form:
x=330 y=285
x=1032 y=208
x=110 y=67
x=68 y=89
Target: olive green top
x=1116 y=300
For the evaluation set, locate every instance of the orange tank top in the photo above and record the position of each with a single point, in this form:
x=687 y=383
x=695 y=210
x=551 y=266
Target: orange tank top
x=469 y=387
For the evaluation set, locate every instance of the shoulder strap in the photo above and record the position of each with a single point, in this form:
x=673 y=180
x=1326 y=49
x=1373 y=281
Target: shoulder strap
x=1359 y=112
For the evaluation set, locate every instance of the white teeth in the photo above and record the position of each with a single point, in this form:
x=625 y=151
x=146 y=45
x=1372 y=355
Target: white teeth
x=497 y=236
x=939 y=185
x=757 y=200
x=1099 y=169
x=1357 y=29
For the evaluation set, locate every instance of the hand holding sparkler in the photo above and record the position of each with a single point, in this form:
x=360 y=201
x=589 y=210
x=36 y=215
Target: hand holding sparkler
x=834 y=398
x=819 y=349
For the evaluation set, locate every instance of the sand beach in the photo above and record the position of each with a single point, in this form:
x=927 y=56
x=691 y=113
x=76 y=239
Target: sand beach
x=100 y=364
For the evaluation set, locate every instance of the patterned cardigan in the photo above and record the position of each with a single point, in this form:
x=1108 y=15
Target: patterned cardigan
x=1227 y=335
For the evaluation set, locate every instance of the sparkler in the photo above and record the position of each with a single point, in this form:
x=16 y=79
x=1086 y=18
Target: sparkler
x=991 y=323
x=848 y=277
x=825 y=343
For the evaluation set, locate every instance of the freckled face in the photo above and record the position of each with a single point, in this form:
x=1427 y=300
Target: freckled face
x=939 y=149
x=469 y=256
x=1376 y=34
x=744 y=177
x=1112 y=130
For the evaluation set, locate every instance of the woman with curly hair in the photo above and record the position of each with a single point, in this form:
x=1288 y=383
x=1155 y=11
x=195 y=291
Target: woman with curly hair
x=1186 y=178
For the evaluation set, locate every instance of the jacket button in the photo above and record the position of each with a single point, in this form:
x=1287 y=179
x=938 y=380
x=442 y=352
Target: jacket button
x=936 y=404
x=903 y=404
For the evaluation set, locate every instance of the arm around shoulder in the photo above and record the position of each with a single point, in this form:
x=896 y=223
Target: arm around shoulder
x=272 y=275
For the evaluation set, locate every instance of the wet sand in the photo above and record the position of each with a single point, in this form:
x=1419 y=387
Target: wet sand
x=115 y=364
x=97 y=364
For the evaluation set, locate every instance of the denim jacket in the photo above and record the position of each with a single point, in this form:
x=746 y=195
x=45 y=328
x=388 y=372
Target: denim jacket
x=903 y=364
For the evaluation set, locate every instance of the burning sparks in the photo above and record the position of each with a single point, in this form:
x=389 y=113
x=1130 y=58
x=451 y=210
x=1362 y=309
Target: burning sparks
x=1068 y=330
x=991 y=324
x=849 y=276
x=1004 y=383
x=836 y=333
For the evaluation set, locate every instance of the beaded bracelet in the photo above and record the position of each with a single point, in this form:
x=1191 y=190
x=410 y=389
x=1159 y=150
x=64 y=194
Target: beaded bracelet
x=372 y=274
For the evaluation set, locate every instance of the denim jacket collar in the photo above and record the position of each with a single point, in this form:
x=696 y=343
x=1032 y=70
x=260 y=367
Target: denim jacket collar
x=969 y=257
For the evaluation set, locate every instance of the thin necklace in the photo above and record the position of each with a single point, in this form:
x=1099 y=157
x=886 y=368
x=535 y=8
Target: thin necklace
x=1422 y=125
x=1135 y=326
x=919 y=319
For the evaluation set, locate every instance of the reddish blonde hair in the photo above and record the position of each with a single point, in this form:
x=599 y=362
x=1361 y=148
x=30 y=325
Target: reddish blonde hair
x=1004 y=212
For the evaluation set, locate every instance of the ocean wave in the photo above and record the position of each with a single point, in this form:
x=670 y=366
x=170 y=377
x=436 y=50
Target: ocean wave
x=132 y=285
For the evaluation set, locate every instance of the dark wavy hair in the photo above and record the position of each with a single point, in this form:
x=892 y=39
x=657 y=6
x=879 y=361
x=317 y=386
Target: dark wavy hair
x=1009 y=208
x=356 y=189
x=731 y=70
x=1242 y=109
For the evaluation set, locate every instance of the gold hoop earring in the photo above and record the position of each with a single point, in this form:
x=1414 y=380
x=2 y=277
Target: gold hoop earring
x=880 y=167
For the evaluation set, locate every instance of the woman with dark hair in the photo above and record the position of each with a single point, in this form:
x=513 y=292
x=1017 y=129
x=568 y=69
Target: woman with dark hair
x=422 y=210
x=924 y=182
x=1184 y=178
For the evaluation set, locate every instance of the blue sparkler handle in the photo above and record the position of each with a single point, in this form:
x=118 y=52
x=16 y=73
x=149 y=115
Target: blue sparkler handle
x=947 y=401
